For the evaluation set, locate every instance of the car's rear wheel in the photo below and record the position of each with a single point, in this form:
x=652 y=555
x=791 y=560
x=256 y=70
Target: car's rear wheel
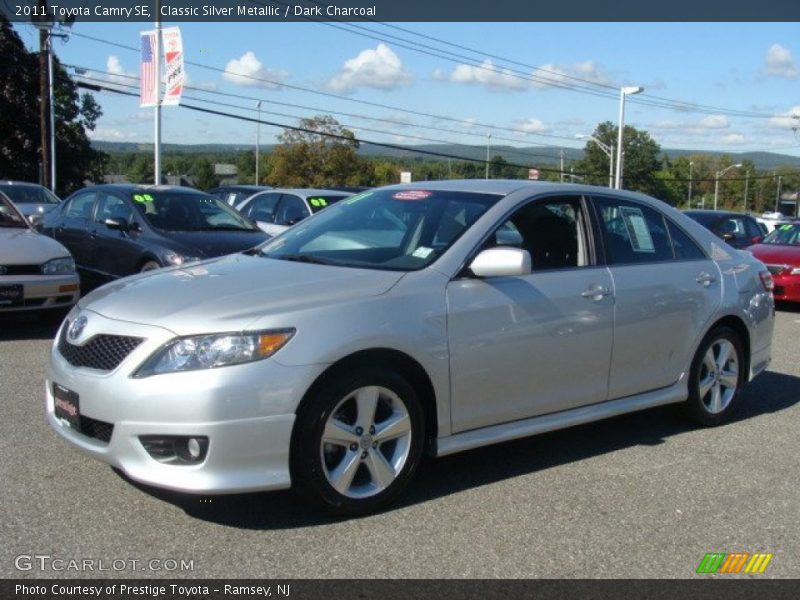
x=150 y=265
x=717 y=376
x=357 y=441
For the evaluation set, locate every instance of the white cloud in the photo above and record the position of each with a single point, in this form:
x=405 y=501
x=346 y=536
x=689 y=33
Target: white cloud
x=714 y=122
x=779 y=62
x=468 y=123
x=487 y=74
x=248 y=70
x=380 y=68
x=532 y=126
x=550 y=74
x=109 y=134
x=115 y=73
x=438 y=75
x=787 y=120
x=732 y=139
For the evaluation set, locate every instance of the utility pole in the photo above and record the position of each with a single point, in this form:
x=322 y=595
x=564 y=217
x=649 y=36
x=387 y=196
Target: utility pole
x=258 y=136
x=689 y=199
x=43 y=99
x=778 y=195
x=562 y=165
x=157 y=60
x=746 y=185
x=488 y=146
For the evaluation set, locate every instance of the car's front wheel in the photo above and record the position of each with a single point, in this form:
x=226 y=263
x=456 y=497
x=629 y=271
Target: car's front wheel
x=357 y=441
x=717 y=376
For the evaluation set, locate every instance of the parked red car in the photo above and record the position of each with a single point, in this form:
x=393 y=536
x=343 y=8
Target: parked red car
x=780 y=251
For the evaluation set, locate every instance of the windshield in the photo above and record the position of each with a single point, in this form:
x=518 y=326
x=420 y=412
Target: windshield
x=401 y=230
x=784 y=235
x=171 y=211
x=9 y=216
x=28 y=194
x=317 y=203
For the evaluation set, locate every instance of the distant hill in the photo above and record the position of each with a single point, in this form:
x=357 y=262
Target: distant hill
x=528 y=156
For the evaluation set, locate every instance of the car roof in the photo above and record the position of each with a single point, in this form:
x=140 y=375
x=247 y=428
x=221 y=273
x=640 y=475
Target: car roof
x=143 y=188
x=711 y=213
x=20 y=183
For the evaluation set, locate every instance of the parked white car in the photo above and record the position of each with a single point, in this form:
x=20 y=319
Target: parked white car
x=274 y=211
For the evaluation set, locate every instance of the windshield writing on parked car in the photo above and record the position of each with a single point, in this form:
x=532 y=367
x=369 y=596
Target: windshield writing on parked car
x=784 y=235
x=391 y=229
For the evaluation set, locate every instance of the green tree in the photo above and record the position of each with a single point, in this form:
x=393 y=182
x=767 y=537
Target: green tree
x=204 y=177
x=75 y=114
x=640 y=159
x=141 y=170
x=324 y=154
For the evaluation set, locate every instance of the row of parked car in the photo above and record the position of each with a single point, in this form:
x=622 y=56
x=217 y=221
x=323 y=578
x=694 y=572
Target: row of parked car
x=112 y=231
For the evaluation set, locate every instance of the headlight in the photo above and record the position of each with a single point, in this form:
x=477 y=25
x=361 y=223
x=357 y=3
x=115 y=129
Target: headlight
x=795 y=271
x=196 y=352
x=59 y=266
x=179 y=259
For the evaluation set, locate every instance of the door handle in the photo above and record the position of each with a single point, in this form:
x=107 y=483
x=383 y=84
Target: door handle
x=705 y=279
x=596 y=292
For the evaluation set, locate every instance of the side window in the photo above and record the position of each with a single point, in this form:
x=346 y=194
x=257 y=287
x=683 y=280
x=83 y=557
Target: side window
x=753 y=230
x=685 y=247
x=112 y=207
x=633 y=233
x=262 y=208
x=551 y=230
x=80 y=207
x=732 y=230
x=291 y=210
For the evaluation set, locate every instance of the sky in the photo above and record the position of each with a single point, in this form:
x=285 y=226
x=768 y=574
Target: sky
x=463 y=82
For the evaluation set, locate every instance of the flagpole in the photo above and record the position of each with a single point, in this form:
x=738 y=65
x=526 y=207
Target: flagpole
x=157 y=60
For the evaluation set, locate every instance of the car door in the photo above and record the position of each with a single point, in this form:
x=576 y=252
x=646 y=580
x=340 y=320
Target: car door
x=534 y=344
x=72 y=227
x=665 y=291
x=291 y=209
x=261 y=209
x=117 y=253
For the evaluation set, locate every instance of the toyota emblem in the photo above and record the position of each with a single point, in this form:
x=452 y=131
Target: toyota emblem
x=76 y=328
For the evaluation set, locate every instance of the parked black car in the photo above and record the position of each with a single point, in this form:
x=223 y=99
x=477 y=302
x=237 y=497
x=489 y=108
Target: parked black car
x=739 y=230
x=116 y=230
x=235 y=194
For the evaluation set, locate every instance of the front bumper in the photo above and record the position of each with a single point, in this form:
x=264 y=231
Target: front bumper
x=42 y=292
x=245 y=411
x=787 y=288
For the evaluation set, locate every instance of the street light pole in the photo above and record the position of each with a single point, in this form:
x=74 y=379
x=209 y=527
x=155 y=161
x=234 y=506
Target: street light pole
x=157 y=129
x=746 y=185
x=716 y=180
x=689 y=199
x=258 y=136
x=625 y=91
x=778 y=194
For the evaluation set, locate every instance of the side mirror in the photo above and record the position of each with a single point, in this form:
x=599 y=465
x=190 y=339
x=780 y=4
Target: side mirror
x=117 y=224
x=501 y=262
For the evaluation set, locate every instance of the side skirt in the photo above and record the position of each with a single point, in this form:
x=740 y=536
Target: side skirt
x=561 y=420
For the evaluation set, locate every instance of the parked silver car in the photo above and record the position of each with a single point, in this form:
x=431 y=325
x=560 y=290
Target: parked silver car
x=274 y=211
x=32 y=200
x=432 y=317
x=36 y=273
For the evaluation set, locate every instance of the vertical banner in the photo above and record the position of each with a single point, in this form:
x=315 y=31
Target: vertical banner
x=147 y=69
x=173 y=58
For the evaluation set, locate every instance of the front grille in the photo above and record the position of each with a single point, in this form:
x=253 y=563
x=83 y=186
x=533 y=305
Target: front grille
x=102 y=352
x=22 y=269
x=776 y=269
x=99 y=430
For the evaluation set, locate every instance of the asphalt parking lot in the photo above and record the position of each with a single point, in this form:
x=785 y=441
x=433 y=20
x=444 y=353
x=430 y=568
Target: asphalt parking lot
x=643 y=495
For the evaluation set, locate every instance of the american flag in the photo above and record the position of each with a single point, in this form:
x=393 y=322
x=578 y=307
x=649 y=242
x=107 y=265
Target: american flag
x=147 y=70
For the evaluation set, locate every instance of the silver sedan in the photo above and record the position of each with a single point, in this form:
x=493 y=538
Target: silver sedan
x=425 y=318
x=36 y=273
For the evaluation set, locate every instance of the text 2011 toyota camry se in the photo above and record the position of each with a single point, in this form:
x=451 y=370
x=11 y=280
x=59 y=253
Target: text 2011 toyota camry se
x=432 y=317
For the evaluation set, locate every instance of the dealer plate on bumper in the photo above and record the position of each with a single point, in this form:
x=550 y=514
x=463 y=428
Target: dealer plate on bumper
x=11 y=295
x=67 y=406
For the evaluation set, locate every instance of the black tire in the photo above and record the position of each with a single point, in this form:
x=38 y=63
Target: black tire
x=714 y=393
x=149 y=265
x=314 y=464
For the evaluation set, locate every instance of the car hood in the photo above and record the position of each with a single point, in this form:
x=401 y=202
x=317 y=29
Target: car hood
x=26 y=247
x=210 y=244
x=773 y=254
x=229 y=293
x=34 y=208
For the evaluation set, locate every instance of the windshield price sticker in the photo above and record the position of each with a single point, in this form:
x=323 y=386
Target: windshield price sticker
x=411 y=195
x=422 y=252
x=318 y=202
x=638 y=233
x=143 y=197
